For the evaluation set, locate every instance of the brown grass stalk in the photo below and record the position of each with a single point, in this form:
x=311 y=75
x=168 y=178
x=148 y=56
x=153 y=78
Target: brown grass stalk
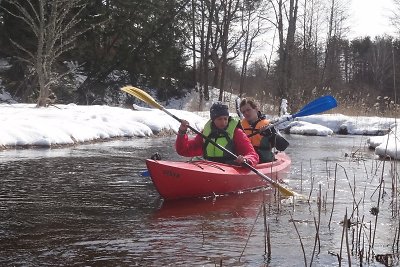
x=333 y=197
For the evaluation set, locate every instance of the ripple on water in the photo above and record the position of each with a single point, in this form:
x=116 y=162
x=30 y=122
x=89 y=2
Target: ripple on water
x=89 y=205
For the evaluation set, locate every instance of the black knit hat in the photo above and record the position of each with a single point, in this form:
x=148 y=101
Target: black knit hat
x=218 y=109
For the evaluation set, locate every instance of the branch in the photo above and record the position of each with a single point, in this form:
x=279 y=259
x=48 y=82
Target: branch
x=23 y=49
x=25 y=17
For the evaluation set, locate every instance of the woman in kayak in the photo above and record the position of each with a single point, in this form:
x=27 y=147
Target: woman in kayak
x=225 y=131
x=254 y=121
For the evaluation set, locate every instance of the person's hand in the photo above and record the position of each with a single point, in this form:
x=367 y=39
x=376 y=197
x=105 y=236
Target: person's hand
x=266 y=130
x=183 y=127
x=240 y=159
x=263 y=128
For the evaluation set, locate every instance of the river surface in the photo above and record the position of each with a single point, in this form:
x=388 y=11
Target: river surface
x=89 y=205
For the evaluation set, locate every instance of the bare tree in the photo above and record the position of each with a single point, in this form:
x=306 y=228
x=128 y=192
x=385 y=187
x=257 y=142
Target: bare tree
x=336 y=30
x=286 y=43
x=54 y=25
x=308 y=66
x=206 y=68
x=202 y=58
x=193 y=39
x=229 y=41
x=395 y=17
x=215 y=37
x=380 y=59
x=202 y=30
x=251 y=27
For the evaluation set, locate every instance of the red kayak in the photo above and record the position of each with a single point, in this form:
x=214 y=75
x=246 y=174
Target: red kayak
x=202 y=178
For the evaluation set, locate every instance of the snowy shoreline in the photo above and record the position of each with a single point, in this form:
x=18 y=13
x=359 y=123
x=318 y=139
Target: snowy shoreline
x=25 y=126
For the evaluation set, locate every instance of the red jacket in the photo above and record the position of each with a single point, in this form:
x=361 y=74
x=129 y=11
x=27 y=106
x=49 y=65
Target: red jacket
x=194 y=147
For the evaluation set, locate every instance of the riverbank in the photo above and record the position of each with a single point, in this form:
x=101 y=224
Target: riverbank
x=161 y=134
x=25 y=126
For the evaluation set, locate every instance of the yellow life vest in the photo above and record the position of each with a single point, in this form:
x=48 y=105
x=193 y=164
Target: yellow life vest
x=223 y=138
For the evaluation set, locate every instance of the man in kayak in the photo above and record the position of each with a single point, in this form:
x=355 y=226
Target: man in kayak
x=253 y=122
x=225 y=131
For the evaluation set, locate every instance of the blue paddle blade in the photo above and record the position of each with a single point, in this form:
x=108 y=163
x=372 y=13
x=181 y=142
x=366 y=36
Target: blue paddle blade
x=145 y=173
x=316 y=106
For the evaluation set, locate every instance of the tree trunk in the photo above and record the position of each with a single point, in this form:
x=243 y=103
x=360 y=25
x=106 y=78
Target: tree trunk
x=245 y=58
x=54 y=25
x=42 y=70
x=207 y=49
x=201 y=65
x=194 y=67
x=229 y=9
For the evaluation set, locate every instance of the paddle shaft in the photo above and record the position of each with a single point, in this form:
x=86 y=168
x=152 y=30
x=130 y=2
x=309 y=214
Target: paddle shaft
x=227 y=151
x=316 y=106
x=282 y=120
x=149 y=100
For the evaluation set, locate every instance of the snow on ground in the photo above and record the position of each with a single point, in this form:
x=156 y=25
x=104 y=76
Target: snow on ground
x=23 y=124
x=26 y=125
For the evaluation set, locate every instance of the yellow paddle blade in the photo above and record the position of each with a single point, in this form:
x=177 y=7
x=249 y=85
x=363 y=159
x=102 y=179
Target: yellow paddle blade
x=142 y=95
x=286 y=192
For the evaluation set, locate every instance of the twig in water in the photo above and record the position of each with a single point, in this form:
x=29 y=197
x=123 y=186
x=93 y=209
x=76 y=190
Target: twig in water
x=301 y=177
x=361 y=248
x=251 y=231
x=327 y=172
x=395 y=238
x=341 y=242
x=353 y=241
x=312 y=182
x=398 y=237
x=334 y=194
x=378 y=206
x=301 y=242
x=352 y=190
x=269 y=243
x=360 y=256
x=317 y=224
x=346 y=224
x=311 y=189
x=265 y=227
x=369 y=242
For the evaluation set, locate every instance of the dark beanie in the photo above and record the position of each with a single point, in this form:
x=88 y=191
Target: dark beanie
x=218 y=109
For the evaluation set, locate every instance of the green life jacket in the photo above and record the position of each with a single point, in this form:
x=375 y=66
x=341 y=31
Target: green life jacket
x=223 y=138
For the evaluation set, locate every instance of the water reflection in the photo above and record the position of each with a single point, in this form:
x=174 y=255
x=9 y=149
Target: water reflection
x=88 y=205
x=236 y=205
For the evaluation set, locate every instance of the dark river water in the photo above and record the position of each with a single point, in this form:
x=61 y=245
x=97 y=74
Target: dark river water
x=88 y=205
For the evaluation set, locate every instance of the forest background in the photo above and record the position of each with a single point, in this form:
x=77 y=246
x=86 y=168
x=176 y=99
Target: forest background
x=83 y=51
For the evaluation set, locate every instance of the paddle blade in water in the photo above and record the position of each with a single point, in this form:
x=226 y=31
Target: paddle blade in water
x=145 y=173
x=142 y=95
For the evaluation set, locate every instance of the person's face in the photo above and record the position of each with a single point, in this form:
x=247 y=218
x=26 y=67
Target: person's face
x=221 y=122
x=249 y=113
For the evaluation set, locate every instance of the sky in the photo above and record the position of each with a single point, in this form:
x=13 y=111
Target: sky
x=371 y=17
